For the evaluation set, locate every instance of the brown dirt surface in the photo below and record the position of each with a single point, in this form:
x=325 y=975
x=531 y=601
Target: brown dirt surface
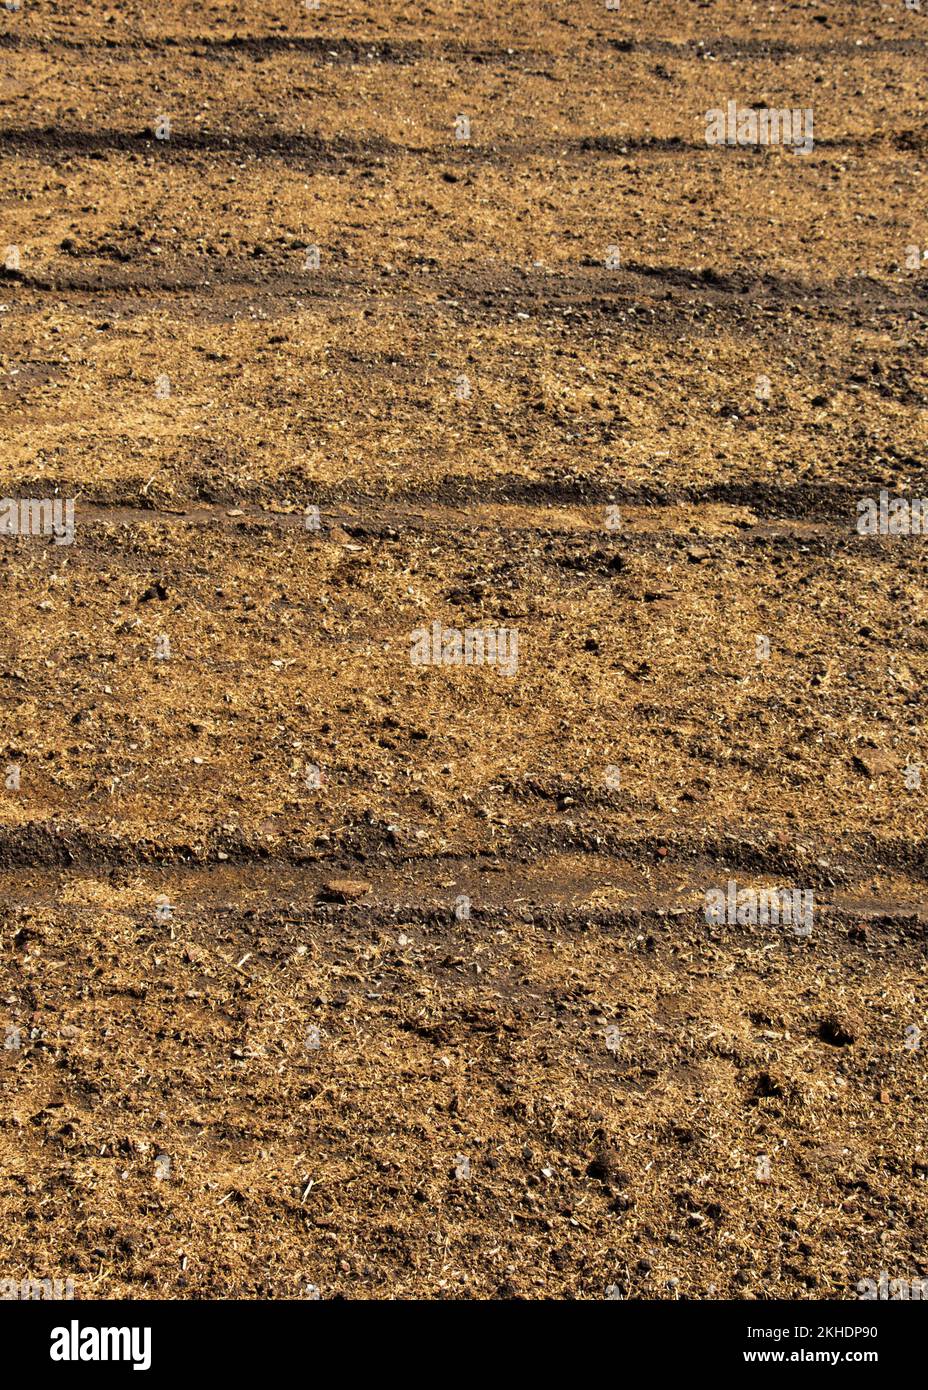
x=324 y=970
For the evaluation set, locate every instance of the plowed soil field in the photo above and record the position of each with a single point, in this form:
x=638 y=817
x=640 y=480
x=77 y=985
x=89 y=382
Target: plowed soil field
x=326 y=971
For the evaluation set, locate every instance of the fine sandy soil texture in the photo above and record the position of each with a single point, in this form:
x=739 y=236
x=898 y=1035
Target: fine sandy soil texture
x=366 y=338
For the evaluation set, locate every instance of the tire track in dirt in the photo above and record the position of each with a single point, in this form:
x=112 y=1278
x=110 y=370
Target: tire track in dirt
x=38 y=845
x=388 y=521
x=780 y=526
x=300 y=147
x=820 y=504
x=405 y=52
x=743 y=302
x=301 y=902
